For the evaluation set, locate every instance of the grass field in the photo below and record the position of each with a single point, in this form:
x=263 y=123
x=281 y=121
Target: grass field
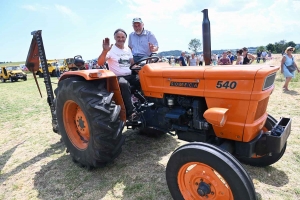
x=35 y=165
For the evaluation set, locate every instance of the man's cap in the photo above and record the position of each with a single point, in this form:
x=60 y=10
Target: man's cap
x=137 y=19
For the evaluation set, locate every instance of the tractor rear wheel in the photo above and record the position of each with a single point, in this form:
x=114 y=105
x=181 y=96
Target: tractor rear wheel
x=266 y=160
x=88 y=121
x=203 y=171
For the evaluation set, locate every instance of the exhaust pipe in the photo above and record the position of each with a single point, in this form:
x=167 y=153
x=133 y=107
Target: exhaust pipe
x=206 y=38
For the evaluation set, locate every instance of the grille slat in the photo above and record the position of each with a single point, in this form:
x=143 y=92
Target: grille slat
x=261 y=108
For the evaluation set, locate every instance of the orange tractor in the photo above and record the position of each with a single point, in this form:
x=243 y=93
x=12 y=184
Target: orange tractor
x=221 y=111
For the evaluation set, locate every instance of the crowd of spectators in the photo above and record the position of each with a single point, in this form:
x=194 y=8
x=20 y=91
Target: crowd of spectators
x=240 y=57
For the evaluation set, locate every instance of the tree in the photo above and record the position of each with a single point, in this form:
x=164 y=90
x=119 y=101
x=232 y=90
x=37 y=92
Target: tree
x=270 y=47
x=260 y=48
x=195 y=45
x=291 y=44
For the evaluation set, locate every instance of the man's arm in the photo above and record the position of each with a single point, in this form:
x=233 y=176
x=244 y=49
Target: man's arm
x=102 y=58
x=153 y=41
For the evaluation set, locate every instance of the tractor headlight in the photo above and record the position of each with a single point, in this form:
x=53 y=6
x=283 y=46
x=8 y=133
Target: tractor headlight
x=269 y=81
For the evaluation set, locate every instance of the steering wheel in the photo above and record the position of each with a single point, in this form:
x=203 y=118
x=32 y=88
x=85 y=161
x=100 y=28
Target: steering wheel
x=152 y=59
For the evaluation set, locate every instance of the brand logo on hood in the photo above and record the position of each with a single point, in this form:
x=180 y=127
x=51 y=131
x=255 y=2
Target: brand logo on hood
x=184 y=84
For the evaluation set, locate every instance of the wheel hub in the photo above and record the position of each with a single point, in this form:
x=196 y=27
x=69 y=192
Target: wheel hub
x=80 y=123
x=203 y=189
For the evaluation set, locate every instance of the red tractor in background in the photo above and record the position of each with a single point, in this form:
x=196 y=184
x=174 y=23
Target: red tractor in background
x=221 y=111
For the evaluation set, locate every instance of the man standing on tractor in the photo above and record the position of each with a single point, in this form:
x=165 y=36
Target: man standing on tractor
x=142 y=42
x=119 y=59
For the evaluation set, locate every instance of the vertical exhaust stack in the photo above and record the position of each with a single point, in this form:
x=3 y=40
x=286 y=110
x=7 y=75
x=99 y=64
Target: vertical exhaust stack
x=206 y=38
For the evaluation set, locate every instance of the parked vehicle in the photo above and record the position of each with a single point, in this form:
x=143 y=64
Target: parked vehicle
x=12 y=73
x=52 y=68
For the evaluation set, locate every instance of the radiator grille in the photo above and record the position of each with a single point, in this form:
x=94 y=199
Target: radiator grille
x=261 y=108
x=269 y=81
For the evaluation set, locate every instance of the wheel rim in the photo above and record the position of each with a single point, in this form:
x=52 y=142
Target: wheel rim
x=192 y=175
x=76 y=125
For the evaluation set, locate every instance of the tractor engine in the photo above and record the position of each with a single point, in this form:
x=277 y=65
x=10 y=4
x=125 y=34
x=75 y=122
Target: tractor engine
x=182 y=114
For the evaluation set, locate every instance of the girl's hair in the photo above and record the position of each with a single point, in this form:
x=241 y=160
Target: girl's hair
x=119 y=29
x=240 y=51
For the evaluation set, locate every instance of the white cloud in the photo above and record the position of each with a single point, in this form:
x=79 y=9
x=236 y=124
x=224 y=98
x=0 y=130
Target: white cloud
x=120 y=1
x=254 y=22
x=69 y=13
x=29 y=7
x=35 y=7
x=155 y=10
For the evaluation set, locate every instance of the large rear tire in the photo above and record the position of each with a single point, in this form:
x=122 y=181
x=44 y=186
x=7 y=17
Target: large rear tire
x=202 y=171
x=266 y=160
x=88 y=121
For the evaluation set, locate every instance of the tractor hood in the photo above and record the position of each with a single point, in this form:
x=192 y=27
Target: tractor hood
x=159 y=78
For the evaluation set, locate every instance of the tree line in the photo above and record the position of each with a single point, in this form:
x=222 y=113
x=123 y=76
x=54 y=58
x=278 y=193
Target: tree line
x=278 y=47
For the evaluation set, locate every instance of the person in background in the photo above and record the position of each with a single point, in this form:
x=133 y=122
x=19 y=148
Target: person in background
x=230 y=56
x=57 y=70
x=258 y=56
x=119 y=59
x=247 y=57
x=200 y=59
x=214 y=59
x=141 y=42
x=224 y=60
x=193 y=61
x=172 y=60
x=269 y=55
x=288 y=60
x=182 y=59
x=239 y=57
x=264 y=55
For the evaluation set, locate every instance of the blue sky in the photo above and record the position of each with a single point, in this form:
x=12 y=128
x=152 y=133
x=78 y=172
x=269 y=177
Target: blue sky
x=74 y=27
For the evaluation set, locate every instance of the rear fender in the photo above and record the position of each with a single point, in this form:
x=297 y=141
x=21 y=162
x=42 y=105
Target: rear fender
x=111 y=80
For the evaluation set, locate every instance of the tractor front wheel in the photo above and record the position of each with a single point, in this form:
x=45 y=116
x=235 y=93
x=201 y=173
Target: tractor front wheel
x=88 y=121
x=203 y=171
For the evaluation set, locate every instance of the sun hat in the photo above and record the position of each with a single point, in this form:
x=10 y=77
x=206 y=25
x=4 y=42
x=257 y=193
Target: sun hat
x=137 y=19
x=289 y=48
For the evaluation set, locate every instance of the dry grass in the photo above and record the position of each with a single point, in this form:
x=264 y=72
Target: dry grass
x=34 y=164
